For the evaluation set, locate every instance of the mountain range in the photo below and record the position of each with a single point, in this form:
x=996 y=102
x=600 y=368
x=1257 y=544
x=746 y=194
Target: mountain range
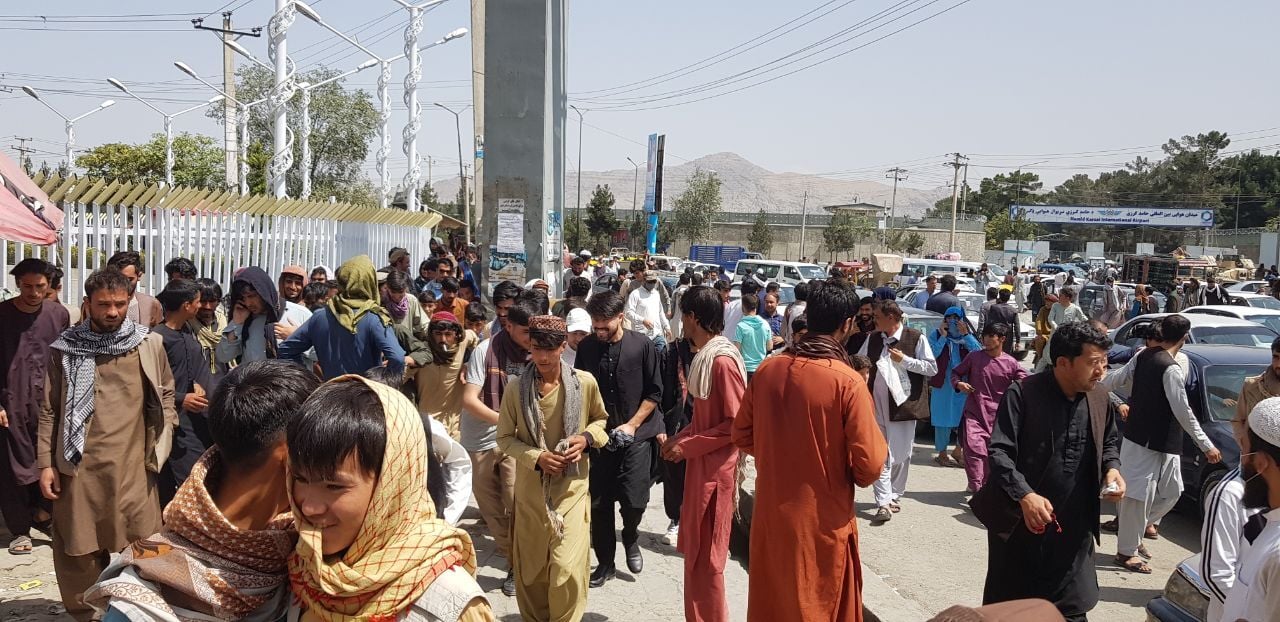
x=746 y=187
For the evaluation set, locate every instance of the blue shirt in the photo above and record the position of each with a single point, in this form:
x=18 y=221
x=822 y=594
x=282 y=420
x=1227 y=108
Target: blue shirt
x=754 y=335
x=921 y=299
x=341 y=352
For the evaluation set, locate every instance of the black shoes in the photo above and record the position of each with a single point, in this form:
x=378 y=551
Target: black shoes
x=509 y=584
x=601 y=574
x=635 y=562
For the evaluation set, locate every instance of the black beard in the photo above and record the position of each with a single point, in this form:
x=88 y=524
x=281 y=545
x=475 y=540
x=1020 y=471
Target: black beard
x=1256 y=492
x=866 y=325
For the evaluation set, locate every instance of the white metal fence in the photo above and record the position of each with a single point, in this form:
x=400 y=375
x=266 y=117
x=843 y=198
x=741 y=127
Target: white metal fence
x=218 y=232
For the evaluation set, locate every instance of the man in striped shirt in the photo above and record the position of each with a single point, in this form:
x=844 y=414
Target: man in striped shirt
x=1225 y=514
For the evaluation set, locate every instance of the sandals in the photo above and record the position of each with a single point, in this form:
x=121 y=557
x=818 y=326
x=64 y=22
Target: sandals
x=1151 y=533
x=1111 y=526
x=20 y=545
x=1132 y=564
x=945 y=460
x=1143 y=552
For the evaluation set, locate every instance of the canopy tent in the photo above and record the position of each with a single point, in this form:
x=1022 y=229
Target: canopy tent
x=26 y=213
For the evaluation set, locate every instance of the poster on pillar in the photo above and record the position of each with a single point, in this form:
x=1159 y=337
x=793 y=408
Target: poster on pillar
x=506 y=266
x=552 y=249
x=653 y=174
x=510 y=225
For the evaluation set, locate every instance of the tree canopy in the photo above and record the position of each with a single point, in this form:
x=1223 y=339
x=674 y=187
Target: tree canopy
x=197 y=161
x=697 y=206
x=761 y=238
x=600 y=222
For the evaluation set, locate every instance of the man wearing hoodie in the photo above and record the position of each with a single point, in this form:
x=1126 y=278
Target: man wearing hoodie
x=753 y=335
x=250 y=334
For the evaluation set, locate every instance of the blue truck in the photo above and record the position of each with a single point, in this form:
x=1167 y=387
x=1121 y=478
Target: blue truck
x=724 y=256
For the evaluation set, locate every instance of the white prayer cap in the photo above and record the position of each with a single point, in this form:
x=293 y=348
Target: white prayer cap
x=1264 y=420
x=579 y=320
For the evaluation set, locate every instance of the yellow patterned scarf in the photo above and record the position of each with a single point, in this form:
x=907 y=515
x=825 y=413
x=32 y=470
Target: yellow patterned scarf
x=401 y=547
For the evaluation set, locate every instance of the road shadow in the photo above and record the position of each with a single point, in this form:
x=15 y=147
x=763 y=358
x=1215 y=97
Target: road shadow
x=34 y=609
x=1135 y=597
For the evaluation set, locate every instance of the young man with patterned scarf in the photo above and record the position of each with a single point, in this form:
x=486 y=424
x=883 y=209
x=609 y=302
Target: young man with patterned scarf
x=808 y=419
x=224 y=550
x=493 y=364
x=546 y=426
x=716 y=382
x=106 y=428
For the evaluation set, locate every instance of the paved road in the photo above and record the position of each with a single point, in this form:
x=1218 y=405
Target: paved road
x=655 y=594
x=935 y=553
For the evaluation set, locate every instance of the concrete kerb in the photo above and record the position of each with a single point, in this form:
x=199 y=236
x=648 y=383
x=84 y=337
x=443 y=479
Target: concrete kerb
x=882 y=603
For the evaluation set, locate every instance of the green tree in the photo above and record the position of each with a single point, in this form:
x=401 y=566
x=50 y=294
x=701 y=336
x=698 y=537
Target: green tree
x=572 y=228
x=761 y=238
x=905 y=242
x=600 y=222
x=1000 y=228
x=197 y=161
x=429 y=198
x=343 y=123
x=697 y=206
x=667 y=232
x=845 y=231
x=636 y=232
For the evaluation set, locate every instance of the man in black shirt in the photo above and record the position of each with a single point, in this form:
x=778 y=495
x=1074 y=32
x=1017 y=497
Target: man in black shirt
x=1003 y=313
x=191 y=382
x=946 y=296
x=626 y=365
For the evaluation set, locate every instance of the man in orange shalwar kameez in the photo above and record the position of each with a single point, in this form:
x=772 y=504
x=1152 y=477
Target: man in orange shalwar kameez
x=808 y=419
x=717 y=379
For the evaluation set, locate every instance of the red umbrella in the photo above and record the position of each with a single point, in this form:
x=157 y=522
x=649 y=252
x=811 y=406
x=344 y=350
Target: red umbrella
x=26 y=213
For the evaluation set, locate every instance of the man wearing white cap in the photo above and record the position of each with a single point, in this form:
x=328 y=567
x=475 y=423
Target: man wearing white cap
x=579 y=322
x=1256 y=593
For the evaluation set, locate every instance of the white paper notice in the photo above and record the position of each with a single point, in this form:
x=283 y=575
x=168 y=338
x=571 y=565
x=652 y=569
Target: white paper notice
x=511 y=225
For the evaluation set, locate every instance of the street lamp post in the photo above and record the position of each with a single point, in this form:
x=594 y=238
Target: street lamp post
x=168 y=125
x=413 y=125
x=462 y=176
x=635 y=185
x=69 y=123
x=242 y=119
x=577 y=212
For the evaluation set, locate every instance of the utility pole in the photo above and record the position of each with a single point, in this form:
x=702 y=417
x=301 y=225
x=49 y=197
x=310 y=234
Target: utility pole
x=898 y=174
x=282 y=159
x=964 y=190
x=23 y=150
x=577 y=212
x=230 y=111
x=804 y=212
x=955 y=196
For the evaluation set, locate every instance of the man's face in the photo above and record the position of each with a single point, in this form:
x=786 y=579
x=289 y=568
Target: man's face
x=547 y=360
x=446 y=298
x=1085 y=371
x=606 y=328
x=403 y=264
x=931 y=286
x=771 y=305
x=504 y=308
x=252 y=301
x=576 y=337
x=1275 y=364
x=131 y=273
x=32 y=289
x=885 y=323
x=291 y=287
x=577 y=267
x=395 y=296
x=446 y=338
x=107 y=309
x=336 y=506
x=865 y=314
x=189 y=310
x=724 y=296
x=992 y=343
x=427 y=273
x=519 y=334
x=639 y=275
x=208 y=310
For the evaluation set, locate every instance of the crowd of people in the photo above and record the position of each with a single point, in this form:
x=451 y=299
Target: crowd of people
x=304 y=447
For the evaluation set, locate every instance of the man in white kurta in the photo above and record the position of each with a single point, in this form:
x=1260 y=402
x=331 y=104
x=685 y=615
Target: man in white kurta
x=1256 y=593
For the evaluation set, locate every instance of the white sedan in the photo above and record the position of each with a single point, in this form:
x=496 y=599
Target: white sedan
x=1205 y=328
x=1266 y=317
x=1259 y=301
x=1247 y=286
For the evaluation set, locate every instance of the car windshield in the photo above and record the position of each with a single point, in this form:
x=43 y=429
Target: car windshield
x=972 y=303
x=1270 y=321
x=1266 y=302
x=1223 y=383
x=923 y=323
x=996 y=270
x=811 y=272
x=1258 y=337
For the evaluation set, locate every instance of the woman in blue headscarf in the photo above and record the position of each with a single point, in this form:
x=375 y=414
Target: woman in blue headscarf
x=951 y=342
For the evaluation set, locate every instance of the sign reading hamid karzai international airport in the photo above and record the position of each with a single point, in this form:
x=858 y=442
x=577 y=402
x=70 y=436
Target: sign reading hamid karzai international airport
x=1111 y=215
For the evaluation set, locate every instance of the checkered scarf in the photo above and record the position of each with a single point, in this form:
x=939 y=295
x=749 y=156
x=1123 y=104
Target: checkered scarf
x=80 y=346
x=401 y=547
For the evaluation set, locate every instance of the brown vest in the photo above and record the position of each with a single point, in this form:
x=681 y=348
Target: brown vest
x=916 y=408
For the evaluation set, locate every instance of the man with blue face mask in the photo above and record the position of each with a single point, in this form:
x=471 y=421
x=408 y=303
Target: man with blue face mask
x=1256 y=592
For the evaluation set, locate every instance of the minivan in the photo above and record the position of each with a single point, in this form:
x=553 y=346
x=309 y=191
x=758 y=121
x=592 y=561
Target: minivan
x=792 y=272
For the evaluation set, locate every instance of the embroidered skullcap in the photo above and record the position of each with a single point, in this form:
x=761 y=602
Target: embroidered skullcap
x=548 y=325
x=1264 y=420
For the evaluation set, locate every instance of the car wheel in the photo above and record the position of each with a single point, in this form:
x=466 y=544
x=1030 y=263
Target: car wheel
x=1207 y=484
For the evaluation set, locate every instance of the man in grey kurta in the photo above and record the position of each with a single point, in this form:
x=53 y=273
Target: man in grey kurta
x=106 y=426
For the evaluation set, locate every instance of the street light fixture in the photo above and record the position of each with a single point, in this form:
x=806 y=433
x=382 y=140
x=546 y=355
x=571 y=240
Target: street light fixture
x=635 y=185
x=68 y=123
x=413 y=124
x=168 y=124
x=242 y=118
x=577 y=212
x=304 y=165
x=462 y=177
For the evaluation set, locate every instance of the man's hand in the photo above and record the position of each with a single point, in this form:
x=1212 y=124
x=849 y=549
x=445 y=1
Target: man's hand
x=942 y=328
x=240 y=314
x=1123 y=411
x=673 y=452
x=49 y=486
x=1113 y=477
x=628 y=428
x=1213 y=456
x=964 y=387
x=963 y=327
x=284 y=331
x=1036 y=512
x=194 y=403
x=896 y=355
x=577 y=445
x=551 y=463
x=409 y=362
x=648 y=323
x=662 y=439
x=4 y=418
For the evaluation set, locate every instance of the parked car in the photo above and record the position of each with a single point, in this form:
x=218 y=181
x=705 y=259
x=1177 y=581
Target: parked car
x=1260 y=301
x=1255 y=287
x=1210 y=329
x=1185 y=597
x=605 y=282
x=1266 y=317
x=786 y=295
x=1092 y=301
x=921 y=320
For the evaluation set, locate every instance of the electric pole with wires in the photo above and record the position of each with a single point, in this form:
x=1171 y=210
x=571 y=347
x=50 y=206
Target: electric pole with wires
x=955 y=194
x=230 y=123
x=898 y=174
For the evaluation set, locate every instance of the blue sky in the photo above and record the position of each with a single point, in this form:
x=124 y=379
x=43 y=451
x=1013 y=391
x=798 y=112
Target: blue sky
x=1007 y=82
